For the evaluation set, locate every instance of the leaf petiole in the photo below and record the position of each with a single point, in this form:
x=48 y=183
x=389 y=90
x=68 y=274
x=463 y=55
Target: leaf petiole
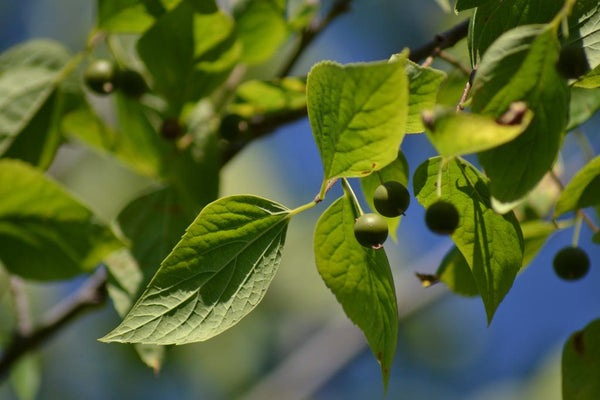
x=348 y=190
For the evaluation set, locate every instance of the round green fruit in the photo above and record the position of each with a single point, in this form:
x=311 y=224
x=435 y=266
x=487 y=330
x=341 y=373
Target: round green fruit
x=99 y=76
x=371 y=230
x=571 y=263
x=171 y=129
x=131 y=83
x=442 y=217
x=572 y=62
x=391 y=199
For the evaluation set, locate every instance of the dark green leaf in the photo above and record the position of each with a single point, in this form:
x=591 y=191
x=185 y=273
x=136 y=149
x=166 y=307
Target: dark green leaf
x=581 y=364
x=396 y=171
x=491 y=243
x=358 y=114
x=217 y=273
x=494 y=18
x=45 y=233
x=360 y=278
x=583 y=190
x=520 y=66
x=461 y=5
x=596 y=238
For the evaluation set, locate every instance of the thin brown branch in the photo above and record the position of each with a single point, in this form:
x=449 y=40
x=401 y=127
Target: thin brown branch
x=21 y=305
x=450 y=59
x=463 y=98
x=313 y=30
x=91 y=295
x=441 y=41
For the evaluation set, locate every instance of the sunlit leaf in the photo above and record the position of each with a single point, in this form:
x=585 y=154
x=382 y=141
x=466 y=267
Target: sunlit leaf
x=583 y=190
x=216 y=274
x=358 y=114
x=424 y=85
x=491 y=243
x=360 y=279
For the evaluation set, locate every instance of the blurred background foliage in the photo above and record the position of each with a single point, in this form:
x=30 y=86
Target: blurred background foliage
x=445 y=349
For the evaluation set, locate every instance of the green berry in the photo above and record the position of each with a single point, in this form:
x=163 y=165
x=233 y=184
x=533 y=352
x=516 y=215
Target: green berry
x=131 y=83
x=442 y=217
x=371 y=230
x=572 y=62
x=571 y=263
x=391 y=199
x=171 y=129
x=99 y=76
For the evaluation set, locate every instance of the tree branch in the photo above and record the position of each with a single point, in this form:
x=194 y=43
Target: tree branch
x=441 y=41
x=313 y=30
x=91 y=295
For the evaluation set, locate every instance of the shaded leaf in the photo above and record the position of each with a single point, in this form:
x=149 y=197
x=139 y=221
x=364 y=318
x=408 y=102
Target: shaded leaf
x=535 y=235
x=582 y=191
x=454 y=271
x=396 y=171
x=591 y=80
x=45 y=233
x=581 y=364
x=461 y=5
x=520 y=66
x=358 y=114
x=269 y=97
x=26 y=376
x=584 y=30
x=217 y=273
x=454 y=134
x=360 y=278
x=491 y=243
x=583 y=104
x=131 y=16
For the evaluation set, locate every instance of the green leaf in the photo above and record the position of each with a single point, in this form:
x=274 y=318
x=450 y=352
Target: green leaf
x=584 y=30
x=360 y=279
x=583 y=190
x=461 y=5
x=217 y=273
x=358 y=114
x=46 y=234
x=262 y=29
x=581 y=364
x=457 y=133
x=396 y=171
x=520 y=66
x=188 y=52
x=491 y=243
x=125 y=280
x=300 y=17
x=29 y=74
x=494 y=18
x=269 y=97
x=154 y=223
x=454 y=271
x=583 y=104
x=424 y=85
x=591 y=80
x=26 y=376
x=131 y=16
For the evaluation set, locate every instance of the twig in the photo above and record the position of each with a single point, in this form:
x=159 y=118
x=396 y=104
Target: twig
x=312 y=31
x=441 y=41
x=23 y=316
x=463 y=98
x=450 y=59
x=90 y=295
